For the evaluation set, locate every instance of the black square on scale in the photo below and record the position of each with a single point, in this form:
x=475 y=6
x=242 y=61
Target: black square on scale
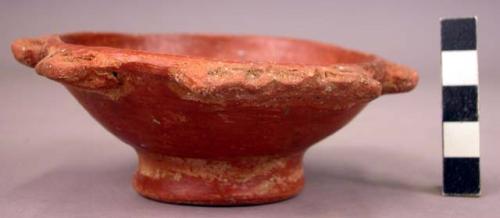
x=460 y=103
x=458 y=34
x=461 y=176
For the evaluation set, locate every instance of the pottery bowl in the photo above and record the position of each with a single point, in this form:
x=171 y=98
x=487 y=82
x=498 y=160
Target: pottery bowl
x=215 y=119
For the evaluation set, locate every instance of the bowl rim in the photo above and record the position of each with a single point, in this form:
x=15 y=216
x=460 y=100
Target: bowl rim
x=61 y=39
x=98 y=68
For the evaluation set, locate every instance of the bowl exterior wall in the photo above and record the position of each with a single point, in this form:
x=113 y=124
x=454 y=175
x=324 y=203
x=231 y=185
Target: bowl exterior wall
x=151 y=117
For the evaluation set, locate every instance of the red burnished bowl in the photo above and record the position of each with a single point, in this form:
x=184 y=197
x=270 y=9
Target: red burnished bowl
x=215 y=119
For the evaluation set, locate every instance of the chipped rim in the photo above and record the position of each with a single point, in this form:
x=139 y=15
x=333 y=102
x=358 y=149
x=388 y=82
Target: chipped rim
x=199 y=78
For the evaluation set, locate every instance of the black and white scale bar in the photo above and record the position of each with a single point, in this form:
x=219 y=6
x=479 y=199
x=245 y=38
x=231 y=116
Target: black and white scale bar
x=460 y=107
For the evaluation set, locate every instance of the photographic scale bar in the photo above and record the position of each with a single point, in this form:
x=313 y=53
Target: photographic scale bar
x=459 y=68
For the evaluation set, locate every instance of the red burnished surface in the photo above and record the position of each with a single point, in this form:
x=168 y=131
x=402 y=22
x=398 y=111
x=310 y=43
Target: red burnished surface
x=218 y=120
x=154 y=120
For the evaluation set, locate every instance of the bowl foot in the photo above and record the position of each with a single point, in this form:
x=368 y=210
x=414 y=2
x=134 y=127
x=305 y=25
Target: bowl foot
x=238 y=181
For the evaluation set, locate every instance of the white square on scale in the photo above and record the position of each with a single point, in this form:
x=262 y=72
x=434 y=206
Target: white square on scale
x=459 y=67
x=461 y=139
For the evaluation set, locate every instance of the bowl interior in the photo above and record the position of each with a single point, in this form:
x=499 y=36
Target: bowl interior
x=255 y=49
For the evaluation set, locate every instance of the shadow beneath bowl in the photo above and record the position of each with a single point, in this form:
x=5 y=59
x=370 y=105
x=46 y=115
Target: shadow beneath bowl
x=356 y=176
x=373 y=168
x=76 y=186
